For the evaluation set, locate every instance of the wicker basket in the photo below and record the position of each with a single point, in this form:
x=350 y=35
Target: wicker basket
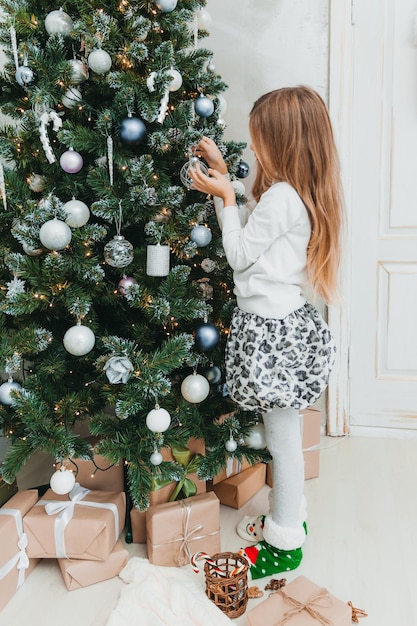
x=228 y=590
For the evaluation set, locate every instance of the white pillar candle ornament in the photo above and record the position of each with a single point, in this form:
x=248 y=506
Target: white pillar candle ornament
x=99 y=61
x=58 y=22
x=256 y=437
x=195 y=388
x=55 y=234
x=71 y=97
x=77 y=212
x=79 y=340
x=5 y=389
x=157 y=260
x=62 y=481
x=158 y=419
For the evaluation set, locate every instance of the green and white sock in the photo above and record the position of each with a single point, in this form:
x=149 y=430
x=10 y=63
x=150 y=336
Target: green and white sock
x=265 y=560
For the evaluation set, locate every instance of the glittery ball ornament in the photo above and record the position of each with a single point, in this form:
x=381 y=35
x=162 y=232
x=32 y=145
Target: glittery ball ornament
x=207 y=337
x=99 y=61
x=118 y=252
x=186 y=180
x=132 y=131
x=203 y=106
x=5 y=389
x=25 y=76
x=79 y=340
x=242 y=170
x=201 y=235
x=62 y=481
x=125 y=284
x=71 y=161
x=230 y=445
x=55 y=234
x=79 y=72
x=158 y=420
x=166 y=6
x=195 y=388
x=77 y=212
x=71 y=97
x=118 y=369
x=58 y=23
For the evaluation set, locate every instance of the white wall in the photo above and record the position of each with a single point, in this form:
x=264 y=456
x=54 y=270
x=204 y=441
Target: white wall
x=263 y=45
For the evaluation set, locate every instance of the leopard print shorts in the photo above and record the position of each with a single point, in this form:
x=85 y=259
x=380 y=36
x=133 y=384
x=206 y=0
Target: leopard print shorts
x=272 y=363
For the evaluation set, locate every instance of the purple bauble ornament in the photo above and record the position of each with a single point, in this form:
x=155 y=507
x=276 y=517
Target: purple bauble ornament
x=132 y=131
x=71 y=161
x=125 y=284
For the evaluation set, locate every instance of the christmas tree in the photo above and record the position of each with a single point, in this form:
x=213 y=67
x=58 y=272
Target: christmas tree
x=115 y=292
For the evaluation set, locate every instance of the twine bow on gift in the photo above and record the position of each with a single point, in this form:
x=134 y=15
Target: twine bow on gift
x=20 y=560
x=309 y=606
x=65 y=511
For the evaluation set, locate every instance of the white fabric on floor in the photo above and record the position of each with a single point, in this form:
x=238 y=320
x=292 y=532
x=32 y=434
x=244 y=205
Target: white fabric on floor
x=161 y=596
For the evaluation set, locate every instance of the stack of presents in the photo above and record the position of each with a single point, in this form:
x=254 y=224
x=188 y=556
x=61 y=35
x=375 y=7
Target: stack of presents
x=83 y=530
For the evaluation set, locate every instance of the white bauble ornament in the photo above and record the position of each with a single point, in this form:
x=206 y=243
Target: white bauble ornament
x=201 y=235
x=230 y=445
x=79 y=340
x=77 y=212
x=25 y=76
x=176 y=80
x=222 y=104
x=71 y=161
x=71 y=97
x=62 y=481
x=238 y=187
x=55 y=234
x=158 y=420
x=79 y=72
x=166 y=6
x=99 y=61
x=203 y=19
x=195 y=388
x=58 y=22
x=256 y=437
x=5 y=390
x=156 y=458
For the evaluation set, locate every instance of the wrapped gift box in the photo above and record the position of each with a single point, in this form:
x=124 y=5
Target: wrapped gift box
x=82 y=525
x=138 y=517
x=7 y=491
x=300 y=603
x=77 y=573
x=233 y=467
x=194 y=446
x=107 y=477
x=15 y=567
x=177 y=530
x=238 y=489
x=311 y=430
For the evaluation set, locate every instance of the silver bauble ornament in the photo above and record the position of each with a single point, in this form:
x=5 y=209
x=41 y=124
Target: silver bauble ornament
x=25 y=76
x=71 y=97
x=186 y=180
x=213 y=374
x=166 y=6
x=71 y=161
x=158 y=420
x=195 y=388
x=256 y=437
x=55 y=234
x=132 y=131
x=58 y=22
x=203 y=106
x=99 y=61
x=201 y=235
x=79 y=72
x=62 y=481
x=207 y=337
x=5 y=389
x=79 y=340
x=118 y=252
x=77 y=212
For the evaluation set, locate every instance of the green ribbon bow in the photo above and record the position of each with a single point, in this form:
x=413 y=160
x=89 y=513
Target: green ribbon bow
x=185 y=487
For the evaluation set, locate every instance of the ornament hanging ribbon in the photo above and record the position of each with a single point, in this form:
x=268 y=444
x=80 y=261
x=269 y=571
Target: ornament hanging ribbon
x=320 y=600
x=46 y=118
x=20 y=560
x=65 y=510
x=187 y=535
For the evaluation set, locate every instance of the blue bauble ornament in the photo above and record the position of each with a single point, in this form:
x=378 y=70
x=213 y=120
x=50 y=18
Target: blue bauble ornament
x=203 y=106
x=132 y=131
x=201 y=235
x=207 y=337
x=213 y=374
x=242 y=170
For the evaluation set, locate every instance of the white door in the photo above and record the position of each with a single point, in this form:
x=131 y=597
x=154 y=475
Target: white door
x=382 y=298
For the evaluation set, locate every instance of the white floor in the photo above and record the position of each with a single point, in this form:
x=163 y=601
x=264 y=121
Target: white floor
x=362 y=542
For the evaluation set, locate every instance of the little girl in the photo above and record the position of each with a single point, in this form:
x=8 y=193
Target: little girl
x=280 y=351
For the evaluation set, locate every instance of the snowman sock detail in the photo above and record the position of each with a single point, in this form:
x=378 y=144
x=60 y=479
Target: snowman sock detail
x=251 y=528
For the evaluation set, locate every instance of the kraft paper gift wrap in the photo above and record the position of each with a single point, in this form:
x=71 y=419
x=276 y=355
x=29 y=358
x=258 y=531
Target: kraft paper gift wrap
x=238 y=489
x=77 y=574
x=82 y=525
x=301 y=603
x=15 y=566
x=233 y=467
x=176 y=530
x=111 y=478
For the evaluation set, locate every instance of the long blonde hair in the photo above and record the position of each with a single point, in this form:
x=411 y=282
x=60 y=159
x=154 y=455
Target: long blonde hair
x=293 y=141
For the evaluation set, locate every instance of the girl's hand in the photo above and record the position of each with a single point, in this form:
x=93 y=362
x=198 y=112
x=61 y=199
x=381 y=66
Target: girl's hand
x=215 y=184
x=208 y=150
